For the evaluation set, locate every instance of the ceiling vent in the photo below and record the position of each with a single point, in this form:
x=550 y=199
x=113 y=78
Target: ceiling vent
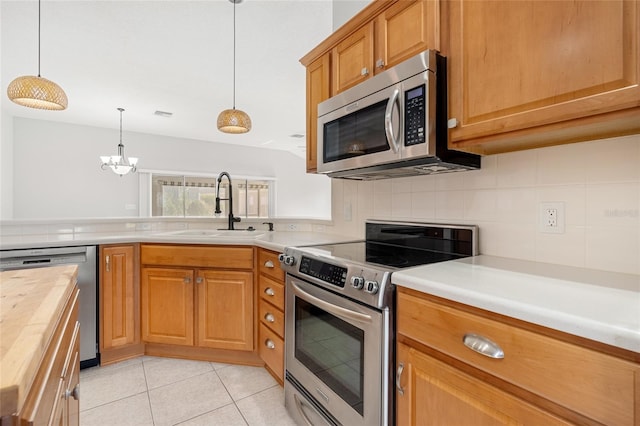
x=163 y=113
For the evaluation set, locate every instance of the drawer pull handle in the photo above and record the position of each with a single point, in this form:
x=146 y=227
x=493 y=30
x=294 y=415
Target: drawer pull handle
x=483 y=346
x=398 y=377
x=270 y=318
x=269 y=291
x=269 y=264
x=269 y=344
x=75 y=393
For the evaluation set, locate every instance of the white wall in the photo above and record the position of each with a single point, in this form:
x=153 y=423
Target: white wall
x=343 y=10
x=598 y=182
x=57 y=173
x=6 y=166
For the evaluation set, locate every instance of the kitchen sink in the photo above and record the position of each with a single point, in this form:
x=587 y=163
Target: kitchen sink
x=213 y=233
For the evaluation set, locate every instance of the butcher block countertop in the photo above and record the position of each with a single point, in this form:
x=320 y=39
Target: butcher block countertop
x=31 y=303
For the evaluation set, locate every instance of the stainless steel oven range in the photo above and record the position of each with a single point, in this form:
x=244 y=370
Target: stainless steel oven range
x=340 y=319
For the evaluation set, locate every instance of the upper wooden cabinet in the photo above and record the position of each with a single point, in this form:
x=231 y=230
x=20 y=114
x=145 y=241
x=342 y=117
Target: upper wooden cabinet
x=404 y=30
x=383 y=34
x=318 y=90
x=525 y=74
x=352 y=59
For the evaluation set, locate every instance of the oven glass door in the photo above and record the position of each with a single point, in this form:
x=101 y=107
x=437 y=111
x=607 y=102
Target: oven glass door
x=332 y=349
x=337 y=350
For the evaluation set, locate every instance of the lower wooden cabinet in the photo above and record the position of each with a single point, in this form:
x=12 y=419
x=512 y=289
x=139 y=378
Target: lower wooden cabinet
x=271 y=313
x=119 y=303
x=203 y=307
x=543 y=378
x=54 y=397
x=434 y=393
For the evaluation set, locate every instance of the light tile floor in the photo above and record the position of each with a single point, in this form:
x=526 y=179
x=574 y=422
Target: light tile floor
x=163 y=391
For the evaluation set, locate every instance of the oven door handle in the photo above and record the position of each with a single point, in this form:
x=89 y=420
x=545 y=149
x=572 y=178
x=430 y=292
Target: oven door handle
x=329 y=307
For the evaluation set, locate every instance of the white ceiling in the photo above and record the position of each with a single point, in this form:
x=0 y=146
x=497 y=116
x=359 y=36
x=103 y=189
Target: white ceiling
x=174 y=56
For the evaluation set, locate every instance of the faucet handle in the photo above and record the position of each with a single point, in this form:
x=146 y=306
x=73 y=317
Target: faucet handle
x=236 y=218
x=270 y=225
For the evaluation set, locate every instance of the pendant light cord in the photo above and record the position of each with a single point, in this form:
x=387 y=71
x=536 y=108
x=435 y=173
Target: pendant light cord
x=234 y=55
x=39 y=38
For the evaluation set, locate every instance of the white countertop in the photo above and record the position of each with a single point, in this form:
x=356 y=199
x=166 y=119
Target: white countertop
x=274 y=240
x=598 y=305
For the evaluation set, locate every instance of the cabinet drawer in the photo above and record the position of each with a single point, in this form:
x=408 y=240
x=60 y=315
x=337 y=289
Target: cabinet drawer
x=268 y=264
x=589 y=382
x=272 y=291
x=271 y=349
x=272 y=317
x=233 y=257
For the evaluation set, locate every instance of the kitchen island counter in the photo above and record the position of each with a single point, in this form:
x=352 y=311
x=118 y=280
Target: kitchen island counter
x=31 y=304
x=597 y=305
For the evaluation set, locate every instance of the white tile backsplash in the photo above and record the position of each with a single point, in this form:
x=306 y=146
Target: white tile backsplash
x=598 y=182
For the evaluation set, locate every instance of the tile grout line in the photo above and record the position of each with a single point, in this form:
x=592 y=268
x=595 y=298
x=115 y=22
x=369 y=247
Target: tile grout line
x=146 y=383
x=231 y=396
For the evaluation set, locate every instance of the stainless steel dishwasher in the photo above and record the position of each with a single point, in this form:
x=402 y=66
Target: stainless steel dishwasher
x=85 y=258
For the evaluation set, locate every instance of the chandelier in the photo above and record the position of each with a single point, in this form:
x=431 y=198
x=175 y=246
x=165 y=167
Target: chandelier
x=119 y=163
x=37 y=92
x=234 y=120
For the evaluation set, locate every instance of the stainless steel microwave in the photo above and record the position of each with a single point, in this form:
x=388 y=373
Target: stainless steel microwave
x=391 y=125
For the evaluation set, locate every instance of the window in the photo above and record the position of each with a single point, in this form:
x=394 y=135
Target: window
x=194 y=196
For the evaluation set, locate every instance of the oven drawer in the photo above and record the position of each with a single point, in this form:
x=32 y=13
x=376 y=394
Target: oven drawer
x=272 y=291
x=268 y=264
x=272 y=317
x=271 y=349
x=589 y=382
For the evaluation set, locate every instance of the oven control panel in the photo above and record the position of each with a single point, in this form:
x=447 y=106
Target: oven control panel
x=324 y=271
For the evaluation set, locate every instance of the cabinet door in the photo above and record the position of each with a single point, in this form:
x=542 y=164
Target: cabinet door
x=225 y=309
x=352 y=59
x=406 y=29
x=318 y=90
x=167 y=305
x=118 y=321
x=533 y=73
x=435 y=393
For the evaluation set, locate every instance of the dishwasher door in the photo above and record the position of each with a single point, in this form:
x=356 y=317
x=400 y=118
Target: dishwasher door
x=85 y=258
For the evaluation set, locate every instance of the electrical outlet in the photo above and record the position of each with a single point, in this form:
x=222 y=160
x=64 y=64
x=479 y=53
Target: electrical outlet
x=551 y=218
x=292 y=227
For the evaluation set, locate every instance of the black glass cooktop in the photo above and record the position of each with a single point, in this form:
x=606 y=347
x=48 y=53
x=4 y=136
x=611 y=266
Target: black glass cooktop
x=405 y=245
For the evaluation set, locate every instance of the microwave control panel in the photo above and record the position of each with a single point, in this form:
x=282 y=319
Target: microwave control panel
x=414 y=116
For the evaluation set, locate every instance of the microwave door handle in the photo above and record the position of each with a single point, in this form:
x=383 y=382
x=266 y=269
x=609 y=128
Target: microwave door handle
x=388 y=124
x=329 y=307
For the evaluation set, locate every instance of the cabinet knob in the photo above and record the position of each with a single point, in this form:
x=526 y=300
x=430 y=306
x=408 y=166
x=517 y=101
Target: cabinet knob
x=380 y=63
x=187 y=280
x=269 y=291
x=364 y=71
x=269 y=344
x=452 y=123
x=199 y=280
x=75 y=393
x=270 y=318
x=269 y=264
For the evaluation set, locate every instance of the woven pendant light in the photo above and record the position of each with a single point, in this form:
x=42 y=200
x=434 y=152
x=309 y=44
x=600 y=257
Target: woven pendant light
x=234 y=120
x=36 y=91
